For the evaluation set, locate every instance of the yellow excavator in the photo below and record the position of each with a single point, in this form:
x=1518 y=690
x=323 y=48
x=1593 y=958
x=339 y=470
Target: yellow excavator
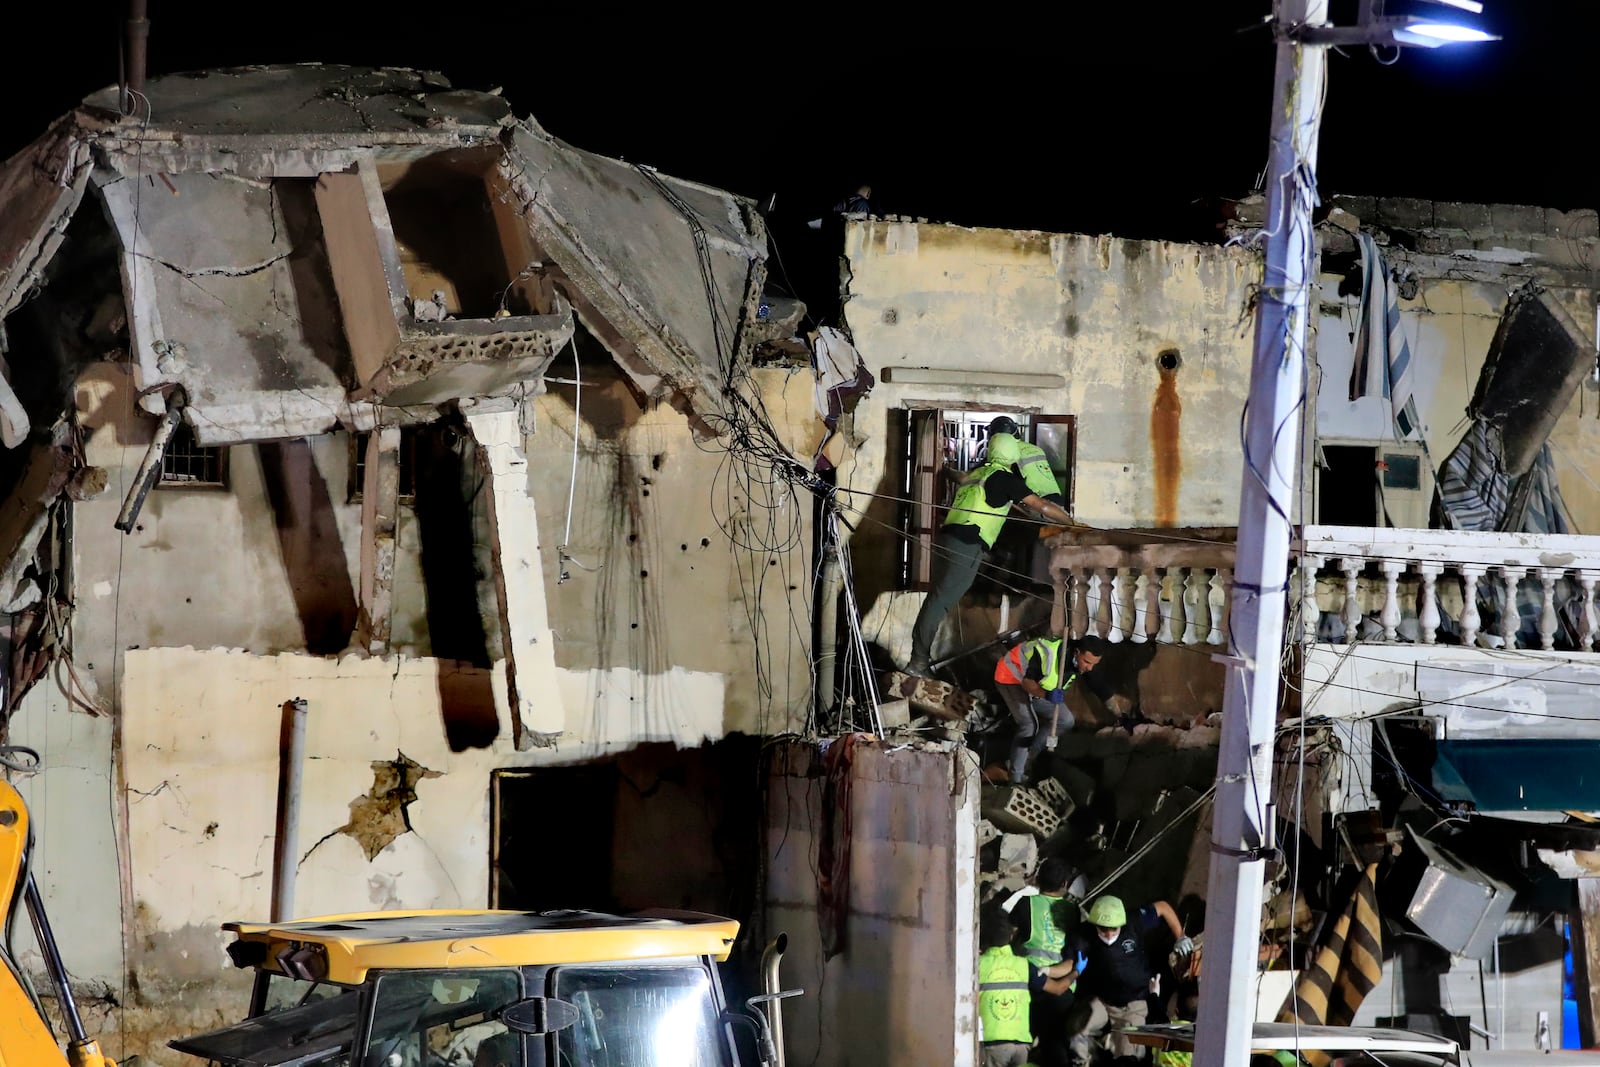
x=26 y=1038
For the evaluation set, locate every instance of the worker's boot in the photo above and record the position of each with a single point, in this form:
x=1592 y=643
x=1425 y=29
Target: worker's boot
x=919 y=667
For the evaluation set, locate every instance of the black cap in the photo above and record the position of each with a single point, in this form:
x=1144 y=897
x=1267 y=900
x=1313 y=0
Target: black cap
x=1003 y=424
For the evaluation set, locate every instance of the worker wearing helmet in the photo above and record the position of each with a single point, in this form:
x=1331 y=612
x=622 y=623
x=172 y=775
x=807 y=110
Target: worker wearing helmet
x=1032 y=462
x=982 y=503
x=1117 y=975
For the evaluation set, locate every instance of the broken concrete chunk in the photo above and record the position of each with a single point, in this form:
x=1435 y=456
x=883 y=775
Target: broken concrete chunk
x=1019 y=854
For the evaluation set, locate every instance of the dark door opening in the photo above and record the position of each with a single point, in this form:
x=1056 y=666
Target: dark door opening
x=553 y=829
x=1347 y=493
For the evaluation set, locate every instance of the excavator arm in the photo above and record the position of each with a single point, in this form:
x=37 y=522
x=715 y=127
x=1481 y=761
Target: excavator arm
x=25 y=1036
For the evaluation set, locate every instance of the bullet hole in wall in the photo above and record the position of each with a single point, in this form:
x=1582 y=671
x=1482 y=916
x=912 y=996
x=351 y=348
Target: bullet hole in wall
x=632 y=538
x=1168 y=359
x=683 y=548
x=633 y=626
x=646 y=492
x=656 y=460
x=705 y=541
x=644 y=574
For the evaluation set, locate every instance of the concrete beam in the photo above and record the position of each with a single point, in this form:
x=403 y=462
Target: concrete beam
x=537 y=713
x=380 y=510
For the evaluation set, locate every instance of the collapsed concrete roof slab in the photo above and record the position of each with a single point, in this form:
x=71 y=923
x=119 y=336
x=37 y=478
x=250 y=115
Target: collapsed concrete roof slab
x=40 y=188
x=305 y=101
x=296 y=256
x=674 y=267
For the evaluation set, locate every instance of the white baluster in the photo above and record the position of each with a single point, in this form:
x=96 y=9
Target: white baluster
x=1115 y=634
x=1217 y=601
x=1167 y=593
x=1310 y=613
x=1351 y=612
x=1142 y=588
x=1191 y=605
x=1427 y=602
x=1547 y=612
x=1075 y=608
x=1470 y=619
x=1510 y=619
x=1587 y=623
x=1390 y=616
x=1094 y=604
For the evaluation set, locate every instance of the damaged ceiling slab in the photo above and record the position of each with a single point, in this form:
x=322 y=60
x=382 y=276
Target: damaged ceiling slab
x=296 y=249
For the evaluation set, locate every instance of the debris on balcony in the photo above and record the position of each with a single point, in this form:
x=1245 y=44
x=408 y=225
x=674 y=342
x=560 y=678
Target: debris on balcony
x=1502 y=474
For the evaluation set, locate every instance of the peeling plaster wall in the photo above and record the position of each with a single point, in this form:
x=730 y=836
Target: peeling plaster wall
x=655 y=591
x=1449 y=327
x=201 y=742
x=902 y=990
x=1095 y=310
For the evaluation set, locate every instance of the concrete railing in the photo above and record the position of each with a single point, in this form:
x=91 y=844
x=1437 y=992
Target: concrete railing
x=1494 y=590
x=1171 y=586
x=1447 y=586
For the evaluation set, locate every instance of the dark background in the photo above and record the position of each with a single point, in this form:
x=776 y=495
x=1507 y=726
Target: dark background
x=1138 y=119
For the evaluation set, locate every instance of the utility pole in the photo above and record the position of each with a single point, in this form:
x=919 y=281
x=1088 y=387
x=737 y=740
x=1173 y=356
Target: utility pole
x=1242 y=820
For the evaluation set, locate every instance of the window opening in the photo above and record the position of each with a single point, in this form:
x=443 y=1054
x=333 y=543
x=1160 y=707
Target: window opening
x=408 y=464
x=957 y=439
x=190 y=464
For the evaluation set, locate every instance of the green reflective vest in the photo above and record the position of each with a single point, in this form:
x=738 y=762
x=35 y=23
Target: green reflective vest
x=1003 y=996
x=1013 y=666
x=1044 y=942
x=1034 y=466
x=971 y=506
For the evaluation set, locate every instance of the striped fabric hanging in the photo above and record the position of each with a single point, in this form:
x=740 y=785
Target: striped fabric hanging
x=1346 y=965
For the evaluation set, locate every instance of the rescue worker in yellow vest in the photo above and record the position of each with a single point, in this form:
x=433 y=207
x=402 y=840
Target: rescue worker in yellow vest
x=1006 y=983
x=1117 y=976
x=1032 y=462
x=979 y=511
x=1043 y=942
x=1032 y=679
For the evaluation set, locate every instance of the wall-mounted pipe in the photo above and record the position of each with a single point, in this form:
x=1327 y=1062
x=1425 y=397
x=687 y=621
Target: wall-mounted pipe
x=150 y=468
x=290 y=778
x=136 y=35
x=772 y=985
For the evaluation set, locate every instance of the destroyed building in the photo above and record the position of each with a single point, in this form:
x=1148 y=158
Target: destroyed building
x=408 y=410
x=345 y=386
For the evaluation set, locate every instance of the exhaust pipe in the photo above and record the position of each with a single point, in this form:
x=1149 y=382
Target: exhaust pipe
x=772 y=986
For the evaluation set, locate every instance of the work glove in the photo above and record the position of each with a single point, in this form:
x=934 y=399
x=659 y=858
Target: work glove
x=1184 y=946
x=1058 y=696
x=1083 y=961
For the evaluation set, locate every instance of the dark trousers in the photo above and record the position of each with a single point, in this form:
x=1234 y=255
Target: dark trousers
x=955 y=566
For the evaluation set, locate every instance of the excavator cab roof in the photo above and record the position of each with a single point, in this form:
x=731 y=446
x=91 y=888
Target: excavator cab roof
x=343 y=948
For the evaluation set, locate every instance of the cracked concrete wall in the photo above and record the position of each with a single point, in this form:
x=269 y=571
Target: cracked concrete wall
x=654 y=590
x=1449 y=326
x=200 y=736
x=235 y=311
x=226 y=568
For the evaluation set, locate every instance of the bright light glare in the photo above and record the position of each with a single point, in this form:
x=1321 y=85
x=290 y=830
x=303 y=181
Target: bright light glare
x=1465 y=5
x=1448 y=31
x=680 y=1031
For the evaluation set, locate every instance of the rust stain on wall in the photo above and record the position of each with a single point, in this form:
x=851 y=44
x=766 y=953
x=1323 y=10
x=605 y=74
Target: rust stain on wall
x=1166 y=415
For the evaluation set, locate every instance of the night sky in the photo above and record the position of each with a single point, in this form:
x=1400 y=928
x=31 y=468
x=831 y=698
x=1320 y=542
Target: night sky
x=1135 y=120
